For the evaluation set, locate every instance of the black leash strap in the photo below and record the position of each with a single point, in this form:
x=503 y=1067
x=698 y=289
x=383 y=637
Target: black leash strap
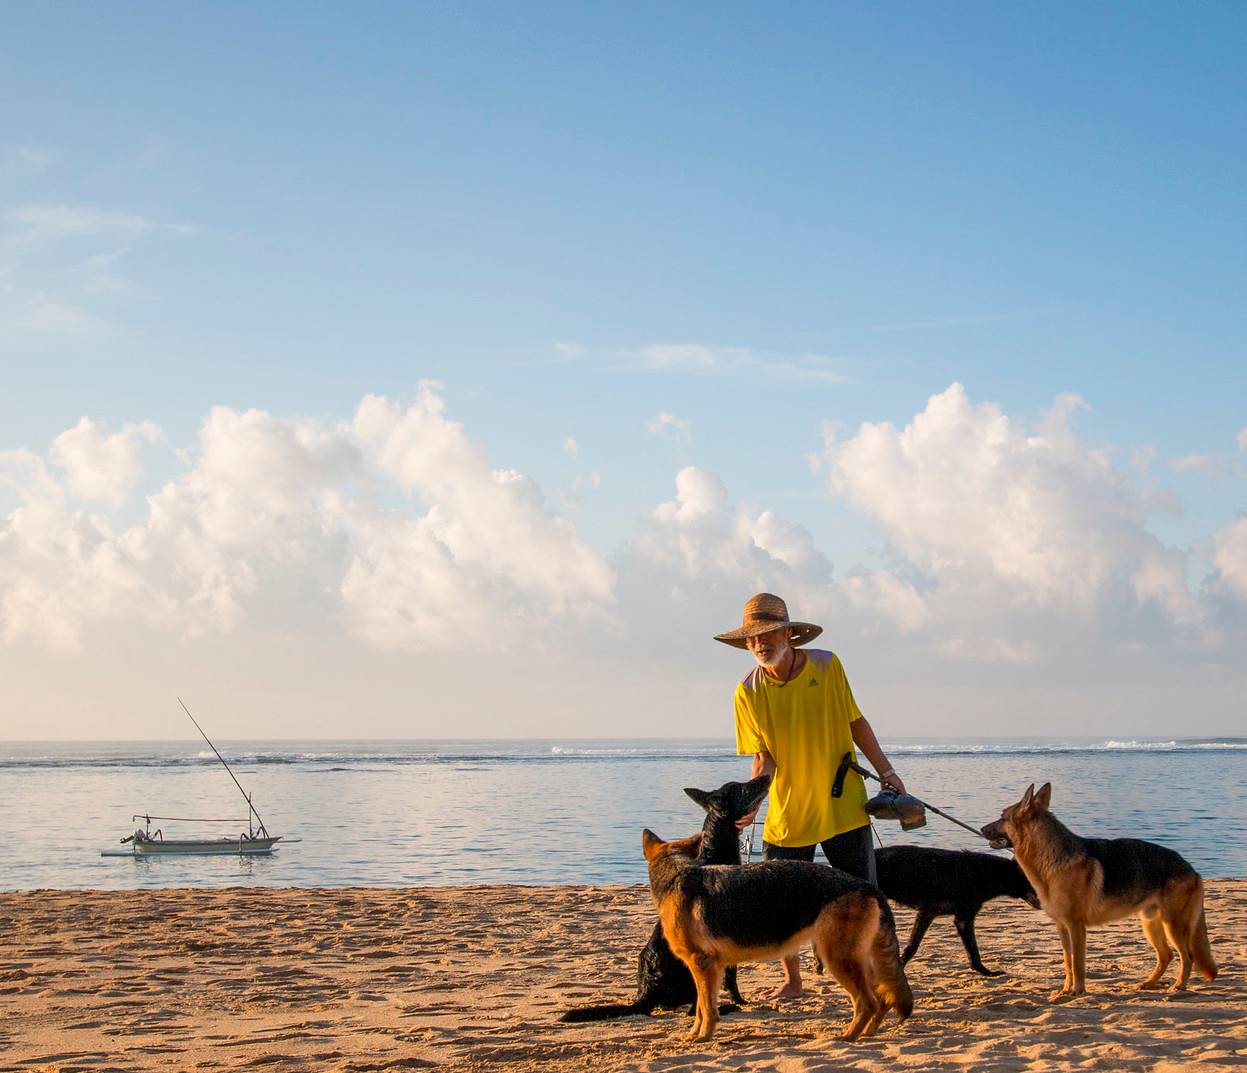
x=837 y=787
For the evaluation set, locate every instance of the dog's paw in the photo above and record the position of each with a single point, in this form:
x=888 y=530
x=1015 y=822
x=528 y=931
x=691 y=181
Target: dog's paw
x=983 y=970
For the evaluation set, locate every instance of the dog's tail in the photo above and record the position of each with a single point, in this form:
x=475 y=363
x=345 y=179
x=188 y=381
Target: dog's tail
x=1201 y=952
x=892 y=987
x=606 y=1013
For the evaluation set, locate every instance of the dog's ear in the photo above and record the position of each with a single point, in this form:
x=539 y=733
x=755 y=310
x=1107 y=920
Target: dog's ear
x=651 y=844
x=700 y=796
x=1043 y=797
x=691 y=846
x=1027 y=798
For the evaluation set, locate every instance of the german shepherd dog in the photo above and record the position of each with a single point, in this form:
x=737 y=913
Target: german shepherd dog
x=937 y=882
x=1084 y=882
x=714 y=917
x=662 y=981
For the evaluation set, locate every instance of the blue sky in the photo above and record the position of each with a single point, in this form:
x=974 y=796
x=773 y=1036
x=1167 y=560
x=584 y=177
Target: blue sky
x=575 y=219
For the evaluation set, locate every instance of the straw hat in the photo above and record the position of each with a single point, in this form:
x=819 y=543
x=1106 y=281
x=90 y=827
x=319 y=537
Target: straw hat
x=762 y=614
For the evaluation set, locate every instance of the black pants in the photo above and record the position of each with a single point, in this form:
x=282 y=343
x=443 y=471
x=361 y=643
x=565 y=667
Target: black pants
x=850 y=851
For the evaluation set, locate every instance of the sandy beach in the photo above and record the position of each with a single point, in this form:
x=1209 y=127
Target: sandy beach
x=473 y=978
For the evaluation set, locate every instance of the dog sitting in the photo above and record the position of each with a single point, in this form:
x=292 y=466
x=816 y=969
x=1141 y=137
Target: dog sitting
x=715 y=917
x=1085 y=882
x=662 y=981
x=939 y=882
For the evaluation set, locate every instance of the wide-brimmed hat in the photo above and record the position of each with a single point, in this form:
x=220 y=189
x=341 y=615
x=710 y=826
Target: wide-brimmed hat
x=762 y=614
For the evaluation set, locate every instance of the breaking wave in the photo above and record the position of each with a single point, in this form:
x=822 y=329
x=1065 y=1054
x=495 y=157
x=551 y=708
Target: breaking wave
x=340 y=756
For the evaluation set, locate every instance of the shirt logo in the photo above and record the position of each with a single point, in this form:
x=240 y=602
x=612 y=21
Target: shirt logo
x=813 y=681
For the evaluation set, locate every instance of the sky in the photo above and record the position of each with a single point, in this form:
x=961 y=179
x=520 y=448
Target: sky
x=459 y=370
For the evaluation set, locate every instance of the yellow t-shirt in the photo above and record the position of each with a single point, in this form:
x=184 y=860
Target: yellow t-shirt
x=804 y=725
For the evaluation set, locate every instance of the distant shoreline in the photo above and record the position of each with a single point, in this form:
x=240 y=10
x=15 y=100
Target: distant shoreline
x=718 y=739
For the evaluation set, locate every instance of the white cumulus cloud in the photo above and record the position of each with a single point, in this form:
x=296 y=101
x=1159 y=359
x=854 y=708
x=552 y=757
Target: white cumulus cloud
x=1230 y=558
x=102 y=467
x=881 y=592
x=491 y=522
x=967 y=495
x=59 y=568
x=701 y=535
x=275 y=519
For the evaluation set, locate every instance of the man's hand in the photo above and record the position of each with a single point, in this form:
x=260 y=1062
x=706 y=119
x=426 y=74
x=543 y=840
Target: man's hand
x=893 y=781
x=763 y=764
x=745 y=821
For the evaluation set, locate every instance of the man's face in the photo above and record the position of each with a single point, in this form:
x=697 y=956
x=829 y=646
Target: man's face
x=770 y=649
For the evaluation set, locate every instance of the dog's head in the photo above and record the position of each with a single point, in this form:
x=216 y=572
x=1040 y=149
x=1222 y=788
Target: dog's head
x=732 y=800
x=1002 y=833
x=655 y=848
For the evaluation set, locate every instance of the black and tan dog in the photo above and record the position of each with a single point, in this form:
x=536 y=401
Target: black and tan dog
x=662 y=981
x=940 y=882
x=1084 y=882
x=715 y=917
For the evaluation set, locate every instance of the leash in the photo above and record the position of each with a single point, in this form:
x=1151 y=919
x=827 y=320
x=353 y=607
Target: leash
x=846 y=765
x=837 y=790
x=746 y=842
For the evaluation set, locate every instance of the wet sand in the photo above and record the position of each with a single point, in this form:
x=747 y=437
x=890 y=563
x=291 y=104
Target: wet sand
x=473 y=978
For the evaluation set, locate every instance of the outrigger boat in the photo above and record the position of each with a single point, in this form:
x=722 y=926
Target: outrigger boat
x=146 y=842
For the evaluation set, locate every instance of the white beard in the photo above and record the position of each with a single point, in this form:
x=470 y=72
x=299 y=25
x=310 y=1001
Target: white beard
x=772 y=661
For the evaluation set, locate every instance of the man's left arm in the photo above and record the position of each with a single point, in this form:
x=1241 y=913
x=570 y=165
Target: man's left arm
x=864 y=738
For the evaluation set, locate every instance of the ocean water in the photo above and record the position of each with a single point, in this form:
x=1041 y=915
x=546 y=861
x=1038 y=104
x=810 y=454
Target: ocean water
x=400 y=813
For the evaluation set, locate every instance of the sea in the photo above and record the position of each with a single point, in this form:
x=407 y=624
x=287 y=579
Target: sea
x=463 y=813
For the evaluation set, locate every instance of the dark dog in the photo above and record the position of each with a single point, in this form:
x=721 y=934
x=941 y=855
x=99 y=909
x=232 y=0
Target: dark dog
x=1084 y=882
x=939 y=882
x=662 y=981
x=715 y=917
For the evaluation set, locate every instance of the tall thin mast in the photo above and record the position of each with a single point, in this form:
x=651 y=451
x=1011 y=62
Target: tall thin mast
x=246 y=796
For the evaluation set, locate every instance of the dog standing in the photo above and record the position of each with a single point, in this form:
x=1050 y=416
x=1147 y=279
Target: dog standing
x=1084 y=882
x=715 y=917
x=937 y=882
x=662 y=981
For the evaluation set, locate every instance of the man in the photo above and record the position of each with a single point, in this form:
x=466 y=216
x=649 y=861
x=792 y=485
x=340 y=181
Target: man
x=797 y=717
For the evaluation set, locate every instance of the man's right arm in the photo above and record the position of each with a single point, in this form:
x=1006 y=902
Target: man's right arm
x=763 y=764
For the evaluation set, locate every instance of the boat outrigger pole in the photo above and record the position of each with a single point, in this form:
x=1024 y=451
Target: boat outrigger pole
x=246 y=796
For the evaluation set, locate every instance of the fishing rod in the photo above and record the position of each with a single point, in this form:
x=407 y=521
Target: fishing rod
x=246 y=796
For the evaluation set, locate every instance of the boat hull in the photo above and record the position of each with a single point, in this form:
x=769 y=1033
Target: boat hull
x=205 y=846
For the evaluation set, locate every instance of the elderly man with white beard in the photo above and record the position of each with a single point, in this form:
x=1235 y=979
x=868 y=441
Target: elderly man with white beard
x=796 y=716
